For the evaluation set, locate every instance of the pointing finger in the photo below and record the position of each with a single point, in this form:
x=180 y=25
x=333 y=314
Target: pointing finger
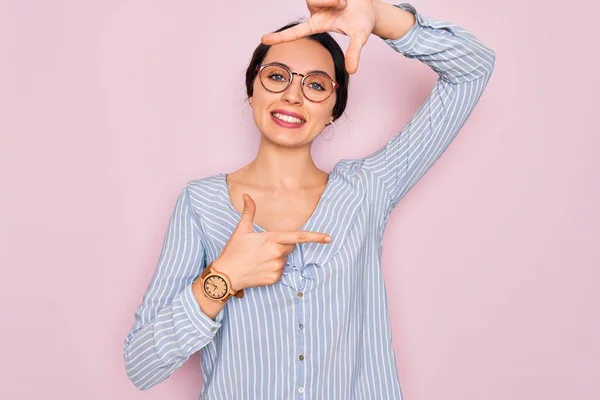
x=320 y=4
x=295 y=32
x=302 y=237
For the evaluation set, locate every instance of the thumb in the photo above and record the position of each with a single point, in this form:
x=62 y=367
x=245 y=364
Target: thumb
x=246 y=223
x=357 y=41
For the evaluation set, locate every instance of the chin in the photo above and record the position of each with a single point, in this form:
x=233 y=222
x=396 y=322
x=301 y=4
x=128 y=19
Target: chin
x=287 y=138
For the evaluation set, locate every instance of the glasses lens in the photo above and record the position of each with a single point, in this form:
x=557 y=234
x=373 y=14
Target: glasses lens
x=317 y=87
x=275 y=78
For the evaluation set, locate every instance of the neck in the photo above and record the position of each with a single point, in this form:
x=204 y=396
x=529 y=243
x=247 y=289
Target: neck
x=280 y=167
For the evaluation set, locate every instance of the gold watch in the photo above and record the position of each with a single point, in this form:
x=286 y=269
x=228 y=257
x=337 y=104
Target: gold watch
x=217 y=286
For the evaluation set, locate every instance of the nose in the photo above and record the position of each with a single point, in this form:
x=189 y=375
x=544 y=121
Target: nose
x=293 y=94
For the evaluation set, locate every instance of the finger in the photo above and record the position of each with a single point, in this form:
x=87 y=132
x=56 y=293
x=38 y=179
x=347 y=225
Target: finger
x=302 y=237
x=320 y=4
x=246 y=223
x=295 y=32
x=357 y=42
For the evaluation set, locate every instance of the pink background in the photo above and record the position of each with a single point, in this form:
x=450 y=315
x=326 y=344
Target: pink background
x=108 y=107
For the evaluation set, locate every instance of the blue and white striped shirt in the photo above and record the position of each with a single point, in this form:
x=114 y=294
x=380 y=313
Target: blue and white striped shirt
x=322 y=331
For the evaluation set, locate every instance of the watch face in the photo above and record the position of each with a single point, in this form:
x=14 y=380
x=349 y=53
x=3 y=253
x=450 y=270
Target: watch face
x=215 y=287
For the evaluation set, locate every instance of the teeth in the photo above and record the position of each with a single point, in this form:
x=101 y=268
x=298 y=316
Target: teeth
x=288 y=118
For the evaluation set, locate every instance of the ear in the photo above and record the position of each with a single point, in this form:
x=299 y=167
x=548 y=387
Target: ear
x=250 y=100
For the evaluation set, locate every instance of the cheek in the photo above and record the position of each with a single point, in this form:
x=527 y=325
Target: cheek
x=260 y=96
x=322 y=115
x=333 y=103
x=323 y=111
x=256 y=85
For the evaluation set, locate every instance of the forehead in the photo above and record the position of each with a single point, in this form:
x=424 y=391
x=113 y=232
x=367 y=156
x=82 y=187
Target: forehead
x=301 y=56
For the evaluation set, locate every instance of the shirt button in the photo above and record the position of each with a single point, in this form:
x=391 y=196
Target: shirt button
x=301 y=389
x=300 y=294
x=301 y=326
x=301 y=357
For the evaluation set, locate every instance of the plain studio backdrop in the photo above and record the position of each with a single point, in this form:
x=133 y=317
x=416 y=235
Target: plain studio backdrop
x=107 y=109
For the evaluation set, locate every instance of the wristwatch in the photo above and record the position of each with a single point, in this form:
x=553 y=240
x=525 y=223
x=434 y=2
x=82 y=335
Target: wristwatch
x=217 y=286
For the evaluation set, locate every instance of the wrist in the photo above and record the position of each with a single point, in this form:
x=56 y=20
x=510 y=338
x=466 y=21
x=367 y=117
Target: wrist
x=391 y=22
x=200 y=294
x=222 y=268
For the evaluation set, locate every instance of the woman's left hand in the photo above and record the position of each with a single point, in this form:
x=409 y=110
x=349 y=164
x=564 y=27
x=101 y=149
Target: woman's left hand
x=353 y=18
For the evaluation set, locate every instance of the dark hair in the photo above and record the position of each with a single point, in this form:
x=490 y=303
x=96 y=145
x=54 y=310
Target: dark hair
x=327 y=41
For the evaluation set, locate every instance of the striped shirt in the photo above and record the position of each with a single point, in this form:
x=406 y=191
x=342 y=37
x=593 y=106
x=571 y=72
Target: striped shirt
x=322 y=331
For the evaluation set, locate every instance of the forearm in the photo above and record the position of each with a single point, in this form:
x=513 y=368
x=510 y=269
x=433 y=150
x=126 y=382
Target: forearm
x=455 y=54
x=464 y=65
x=391 y=22
x=154 y=350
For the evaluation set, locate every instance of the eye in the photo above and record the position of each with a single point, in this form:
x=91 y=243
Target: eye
x=277 y=77
x=316 y=83
x=316 y=86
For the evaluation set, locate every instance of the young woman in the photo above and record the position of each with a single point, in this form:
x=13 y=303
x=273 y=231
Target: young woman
x=273 y=272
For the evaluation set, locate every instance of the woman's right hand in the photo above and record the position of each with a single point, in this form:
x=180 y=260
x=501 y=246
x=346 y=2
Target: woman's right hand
x=353 y=18
x=252 y=258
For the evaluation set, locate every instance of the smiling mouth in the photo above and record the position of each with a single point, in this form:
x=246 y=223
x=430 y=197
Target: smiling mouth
x=288 y=118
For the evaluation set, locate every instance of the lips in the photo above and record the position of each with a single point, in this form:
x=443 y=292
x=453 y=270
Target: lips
x=287 y=119
x=289 y=113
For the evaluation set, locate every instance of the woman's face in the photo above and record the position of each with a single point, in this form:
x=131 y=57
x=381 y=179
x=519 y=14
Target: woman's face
x=301 y=56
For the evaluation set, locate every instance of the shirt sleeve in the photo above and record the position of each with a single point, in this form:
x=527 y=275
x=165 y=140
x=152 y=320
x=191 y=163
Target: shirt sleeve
x=169 y=324
x=464 y=66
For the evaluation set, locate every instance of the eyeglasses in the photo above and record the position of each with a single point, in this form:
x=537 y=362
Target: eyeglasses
x=315 y=86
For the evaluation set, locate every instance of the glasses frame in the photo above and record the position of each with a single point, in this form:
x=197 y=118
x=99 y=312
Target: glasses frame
x=261 y=67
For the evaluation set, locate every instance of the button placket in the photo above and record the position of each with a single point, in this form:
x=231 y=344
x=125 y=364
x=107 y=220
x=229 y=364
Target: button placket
x=300 y=342
x=304 y=285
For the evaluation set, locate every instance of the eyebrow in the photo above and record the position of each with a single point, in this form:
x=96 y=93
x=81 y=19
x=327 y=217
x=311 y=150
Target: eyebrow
x=314 y=71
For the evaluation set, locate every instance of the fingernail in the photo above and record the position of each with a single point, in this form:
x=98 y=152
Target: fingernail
x=328 y=239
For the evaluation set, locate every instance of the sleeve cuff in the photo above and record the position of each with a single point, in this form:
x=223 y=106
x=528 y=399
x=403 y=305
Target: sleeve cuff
x=205 y=325
x=406 y=42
